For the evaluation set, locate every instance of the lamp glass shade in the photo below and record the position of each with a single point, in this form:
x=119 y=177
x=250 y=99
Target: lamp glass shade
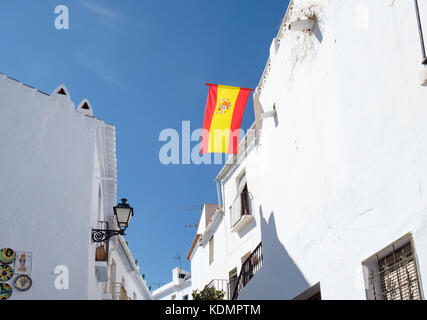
x=123 y=217
x=123 y=213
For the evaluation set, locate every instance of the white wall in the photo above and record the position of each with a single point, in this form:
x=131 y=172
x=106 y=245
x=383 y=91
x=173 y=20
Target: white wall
x=229 y=247
x=343 y=174
x=177 y=289
x=59 y=172
x=174 y=292
x=47 y=169
x=246 y=240
x=201 y=271
x=126 y=272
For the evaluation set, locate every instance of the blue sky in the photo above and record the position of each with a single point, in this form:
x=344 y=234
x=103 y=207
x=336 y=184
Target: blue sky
x=143 y=65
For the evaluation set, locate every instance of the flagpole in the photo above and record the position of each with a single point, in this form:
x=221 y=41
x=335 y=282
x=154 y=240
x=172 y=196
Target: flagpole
x=212 y=84
x=219 y=194
x=420 y=29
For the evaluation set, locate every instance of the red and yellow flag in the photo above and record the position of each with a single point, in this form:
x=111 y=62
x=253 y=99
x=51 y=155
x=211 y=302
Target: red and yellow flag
x=223 y=118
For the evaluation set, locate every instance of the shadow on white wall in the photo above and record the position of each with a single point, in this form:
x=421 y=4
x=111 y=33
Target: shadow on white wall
x=279 y=278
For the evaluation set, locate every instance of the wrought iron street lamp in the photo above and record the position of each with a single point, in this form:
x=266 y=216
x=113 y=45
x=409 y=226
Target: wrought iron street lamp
x=123 y=213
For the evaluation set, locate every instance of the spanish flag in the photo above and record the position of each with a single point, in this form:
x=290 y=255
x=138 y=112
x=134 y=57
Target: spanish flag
x=223 y=118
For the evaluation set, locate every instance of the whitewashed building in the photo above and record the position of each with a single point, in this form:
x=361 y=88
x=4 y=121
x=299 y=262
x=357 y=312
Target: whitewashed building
x=58 y=168
x=178 y=289
x=224 y=241
x=335 y=164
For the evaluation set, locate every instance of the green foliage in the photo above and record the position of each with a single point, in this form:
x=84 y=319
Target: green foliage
x=208 y=293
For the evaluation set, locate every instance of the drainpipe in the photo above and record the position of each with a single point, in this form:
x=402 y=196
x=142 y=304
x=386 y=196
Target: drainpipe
x=420 y=29
x=218 y=191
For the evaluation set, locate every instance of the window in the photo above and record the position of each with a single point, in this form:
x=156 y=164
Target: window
x=185 y=297
x=244 y=198
x=392 y=273
x=211 y=250
x=241 y=205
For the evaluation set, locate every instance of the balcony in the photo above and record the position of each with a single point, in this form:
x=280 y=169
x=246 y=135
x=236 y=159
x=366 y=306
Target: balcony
x=118 y=291
x=249 y=268
x=221 y=285
x=246 y=145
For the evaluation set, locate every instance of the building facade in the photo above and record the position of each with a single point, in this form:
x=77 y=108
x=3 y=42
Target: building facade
x=60 y=166
x=334 y=167
x=224 y=240
x=179 y=288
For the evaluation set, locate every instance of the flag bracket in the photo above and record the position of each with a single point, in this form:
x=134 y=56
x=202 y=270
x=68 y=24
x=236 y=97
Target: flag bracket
x=269 y=114
x=306 y=24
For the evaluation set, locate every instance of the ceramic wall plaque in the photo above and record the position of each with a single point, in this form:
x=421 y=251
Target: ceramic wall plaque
x=23 y=262
x=7 y=256
x=23 y=282
x=6 y=272
x=5 y=291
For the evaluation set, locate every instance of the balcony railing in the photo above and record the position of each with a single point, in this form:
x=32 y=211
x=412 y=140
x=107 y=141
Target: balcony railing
x=249 y=268
x=220 y=285
x=245 y=147
x=118 y=291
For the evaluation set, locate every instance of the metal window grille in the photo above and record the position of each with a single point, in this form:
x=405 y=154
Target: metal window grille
x=397 y=276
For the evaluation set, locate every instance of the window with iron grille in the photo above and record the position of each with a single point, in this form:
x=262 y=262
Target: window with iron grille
x=392 y=274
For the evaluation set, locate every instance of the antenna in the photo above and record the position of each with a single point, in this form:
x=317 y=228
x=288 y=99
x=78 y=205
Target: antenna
x=192 y=208
x=189 y=226
x=178 y=259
